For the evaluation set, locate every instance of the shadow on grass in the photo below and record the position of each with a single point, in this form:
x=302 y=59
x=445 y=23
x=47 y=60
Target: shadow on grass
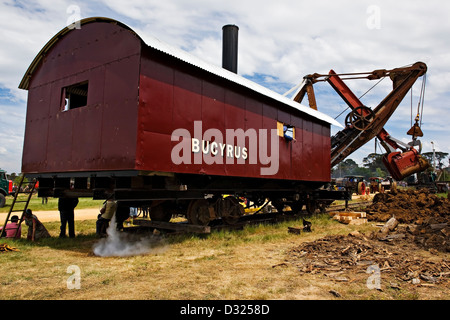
x=86 y=237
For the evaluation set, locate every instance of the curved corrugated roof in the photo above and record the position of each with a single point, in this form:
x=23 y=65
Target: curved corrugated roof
x=183 y=56
x=25 y=83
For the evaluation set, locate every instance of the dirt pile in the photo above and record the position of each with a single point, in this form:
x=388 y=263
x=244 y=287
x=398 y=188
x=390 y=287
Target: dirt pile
x=430 y=235
x=409 y=206
x=428 y=217
x=348 y=258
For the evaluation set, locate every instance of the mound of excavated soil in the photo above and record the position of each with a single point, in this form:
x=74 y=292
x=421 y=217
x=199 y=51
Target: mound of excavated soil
x=427 y=216
x=409 y=206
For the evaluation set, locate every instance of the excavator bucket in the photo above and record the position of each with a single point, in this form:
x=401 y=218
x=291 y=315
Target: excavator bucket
x=401 y=165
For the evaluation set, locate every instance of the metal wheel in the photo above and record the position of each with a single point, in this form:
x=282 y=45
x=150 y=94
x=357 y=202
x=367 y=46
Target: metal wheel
x=198 y=212
x=360 y=118
x=279 y=205
x=231 y=210
x=311 y=206
x=297 y=207
x=160 y=213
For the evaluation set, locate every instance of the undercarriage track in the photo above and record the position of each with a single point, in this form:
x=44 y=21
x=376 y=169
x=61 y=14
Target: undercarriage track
x=172 y=228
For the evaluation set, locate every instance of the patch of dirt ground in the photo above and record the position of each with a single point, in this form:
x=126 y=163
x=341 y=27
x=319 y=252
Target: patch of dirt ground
x=348 y=258
x=413 y=252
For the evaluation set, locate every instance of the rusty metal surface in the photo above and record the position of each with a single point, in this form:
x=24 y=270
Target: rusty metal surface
x=403 y=79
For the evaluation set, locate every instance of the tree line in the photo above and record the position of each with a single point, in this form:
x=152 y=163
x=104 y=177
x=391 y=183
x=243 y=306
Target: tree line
x=372 y=166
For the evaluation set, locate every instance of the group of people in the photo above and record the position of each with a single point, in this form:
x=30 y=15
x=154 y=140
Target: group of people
x=36 y=230
x=66 y=207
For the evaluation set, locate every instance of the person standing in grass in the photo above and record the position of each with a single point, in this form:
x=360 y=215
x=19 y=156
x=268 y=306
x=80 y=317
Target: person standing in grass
x=36 y=230
x=66 y=207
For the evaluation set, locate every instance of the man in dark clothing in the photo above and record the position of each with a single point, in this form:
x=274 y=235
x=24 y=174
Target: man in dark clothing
x=66 y=208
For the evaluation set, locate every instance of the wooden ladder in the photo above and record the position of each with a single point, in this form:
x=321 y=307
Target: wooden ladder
x=29 y=192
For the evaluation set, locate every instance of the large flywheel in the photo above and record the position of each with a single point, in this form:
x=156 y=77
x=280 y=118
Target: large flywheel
x=360 y=118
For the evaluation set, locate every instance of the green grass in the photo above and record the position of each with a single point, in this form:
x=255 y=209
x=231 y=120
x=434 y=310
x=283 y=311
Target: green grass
x=442 y=195
x=84 y=230
x=266 y=233
x=246 y=264
x=52 y=204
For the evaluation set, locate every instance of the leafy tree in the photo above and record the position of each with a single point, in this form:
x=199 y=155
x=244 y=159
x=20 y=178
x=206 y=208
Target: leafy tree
x=12 y=176
x=349 y=167
x=440 y=157
x=344 y=168
x=16 y=180
x=380 y=173
x=373 y=161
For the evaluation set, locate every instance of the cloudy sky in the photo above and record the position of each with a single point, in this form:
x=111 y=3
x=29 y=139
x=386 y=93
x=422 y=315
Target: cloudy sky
x=279 y=43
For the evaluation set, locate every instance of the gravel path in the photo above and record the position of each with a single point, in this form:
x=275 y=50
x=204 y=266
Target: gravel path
x=46 y=216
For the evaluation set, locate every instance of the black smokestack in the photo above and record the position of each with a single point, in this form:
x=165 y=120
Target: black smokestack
x=230 y=47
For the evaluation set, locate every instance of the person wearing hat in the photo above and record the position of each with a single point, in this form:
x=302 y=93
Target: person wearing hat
x=11 y=228
x=36 y=230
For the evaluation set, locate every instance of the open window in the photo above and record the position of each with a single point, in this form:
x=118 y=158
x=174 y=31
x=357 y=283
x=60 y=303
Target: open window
x=75 y=96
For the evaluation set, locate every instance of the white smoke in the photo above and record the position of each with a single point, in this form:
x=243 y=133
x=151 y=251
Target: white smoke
x=122 y=244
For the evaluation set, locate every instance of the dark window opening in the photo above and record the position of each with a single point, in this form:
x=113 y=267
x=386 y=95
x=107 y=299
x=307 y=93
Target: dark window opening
x=286 y=131
x=75 y=96
x=289 y=133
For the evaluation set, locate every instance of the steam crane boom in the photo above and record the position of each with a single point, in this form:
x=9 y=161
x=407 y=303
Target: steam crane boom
x=363 y=124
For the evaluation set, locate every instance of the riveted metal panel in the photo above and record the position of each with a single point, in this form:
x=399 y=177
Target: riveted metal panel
x=157 y=155
x=82 y=49
x=317 y=147
x=59 y=147
x=35 y=145
x=120 y=114
x=253 y=123
x=100 y=135
x=187 y=100
x=308 y=151
x=234 y=119
x=213 y=121
x=156 y=95
x=139 y=96
x=86 y=137
x=213 y=106
x=298 y=166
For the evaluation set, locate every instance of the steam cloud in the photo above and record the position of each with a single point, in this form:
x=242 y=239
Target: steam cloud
x=122 y=244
